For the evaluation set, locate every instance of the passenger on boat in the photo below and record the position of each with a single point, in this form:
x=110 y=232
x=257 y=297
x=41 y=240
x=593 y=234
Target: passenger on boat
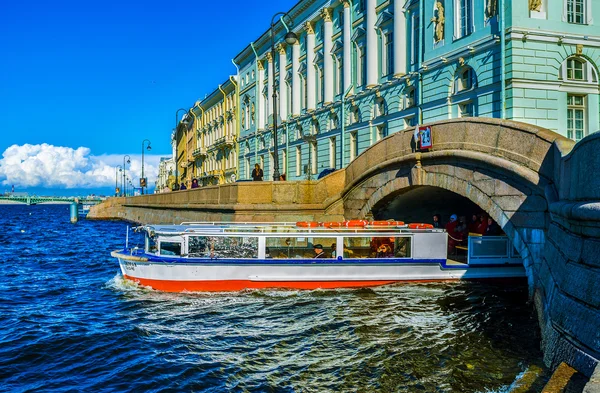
x=437 y=221
x=333 y=250
x=182 y=187
x=492 y=229
x=483 y=223
x=452 y=234
x=195 y=183
x=319 y=253
x=474 y=223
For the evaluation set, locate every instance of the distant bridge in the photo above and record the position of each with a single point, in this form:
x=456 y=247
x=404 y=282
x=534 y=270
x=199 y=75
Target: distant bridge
x=35 y=200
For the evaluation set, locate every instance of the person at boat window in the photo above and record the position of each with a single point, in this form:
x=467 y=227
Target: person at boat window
x=474 y=223
x=333 y=250
x=319 y=253
x=257 y=173
x=195 y=183
x=483 y=223
x=182 y=187
x=437 y=221
x=492 y=229
x=453 y=236
x=385 y=251
x=268 y=253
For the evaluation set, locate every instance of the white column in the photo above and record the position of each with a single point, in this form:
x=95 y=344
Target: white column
x=372 y=63
x=270 y=84
x=295 y=79
x=347 y=52
x=282 y=85
x=310 y=67
x=327 y=57
x=259 y=97
x=399 y=39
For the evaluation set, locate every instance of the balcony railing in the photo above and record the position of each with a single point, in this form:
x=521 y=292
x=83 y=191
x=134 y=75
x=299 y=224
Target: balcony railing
x=224 y=141
x=199 y=152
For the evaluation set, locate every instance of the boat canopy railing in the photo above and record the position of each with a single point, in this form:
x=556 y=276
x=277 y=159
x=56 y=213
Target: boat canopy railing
x=289 y=229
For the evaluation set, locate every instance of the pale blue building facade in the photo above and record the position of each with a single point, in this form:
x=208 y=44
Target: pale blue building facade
x=367 y=68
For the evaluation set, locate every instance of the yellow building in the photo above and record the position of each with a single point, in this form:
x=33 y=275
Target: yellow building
x=215 y=128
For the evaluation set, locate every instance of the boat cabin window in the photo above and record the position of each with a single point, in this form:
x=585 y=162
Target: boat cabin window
x=170 y=248
x=237 y=247
x=151 y=244
x=298 y=247
x=377 y=247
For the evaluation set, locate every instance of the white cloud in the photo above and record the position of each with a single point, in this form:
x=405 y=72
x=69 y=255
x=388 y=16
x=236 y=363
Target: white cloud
x=51 y=166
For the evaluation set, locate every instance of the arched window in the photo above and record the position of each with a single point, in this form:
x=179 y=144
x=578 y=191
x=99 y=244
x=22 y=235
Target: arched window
x=380 y=107
x=465 y=80
x=410 y=97
x=334 y=122
x=575 y=69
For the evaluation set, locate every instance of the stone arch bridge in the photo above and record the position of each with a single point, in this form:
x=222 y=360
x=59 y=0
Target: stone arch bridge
x=541 y=188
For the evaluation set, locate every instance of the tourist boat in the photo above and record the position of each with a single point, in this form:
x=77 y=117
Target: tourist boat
x=237 y=256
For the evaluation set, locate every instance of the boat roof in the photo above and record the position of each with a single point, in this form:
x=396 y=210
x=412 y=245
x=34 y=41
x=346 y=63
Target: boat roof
x=274 y=228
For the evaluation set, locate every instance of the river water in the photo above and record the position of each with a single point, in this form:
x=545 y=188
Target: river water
x=69 y=322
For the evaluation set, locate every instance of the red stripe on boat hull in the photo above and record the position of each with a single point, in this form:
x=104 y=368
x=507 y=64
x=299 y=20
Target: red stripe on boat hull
x=238 y=285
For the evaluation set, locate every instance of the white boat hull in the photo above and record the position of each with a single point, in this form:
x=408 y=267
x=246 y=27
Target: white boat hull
x=214 y=275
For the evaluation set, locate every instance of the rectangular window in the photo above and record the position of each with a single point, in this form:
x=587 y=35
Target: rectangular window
x=377 y=247
x=313 y=157
x=464 y=18
x=332 y=152
x=262 y=163
x=363 y=66
x=247 y=171
x=466 y=109
x=222 y=247
x=576 y=116
x=576 y=11
x=353 y=145
x=389 y=54
x=284 y=161
x=170 y=248
x=321 y=85
x=298 y=247
x=415 y=39
x=380 y=133
x=340 y=76
x=341 y=19
x=298 y=161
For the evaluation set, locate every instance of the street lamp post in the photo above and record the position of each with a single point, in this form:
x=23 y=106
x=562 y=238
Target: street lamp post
x=125 y=169
x=144 y=180
x=290 y=39
x=117 y=179
x=176 y=185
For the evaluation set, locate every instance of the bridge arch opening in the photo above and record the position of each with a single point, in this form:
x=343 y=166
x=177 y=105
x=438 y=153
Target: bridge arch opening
x=420 y=203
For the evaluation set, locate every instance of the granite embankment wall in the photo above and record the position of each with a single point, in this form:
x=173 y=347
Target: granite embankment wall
x=567 y=294
x=241 y=202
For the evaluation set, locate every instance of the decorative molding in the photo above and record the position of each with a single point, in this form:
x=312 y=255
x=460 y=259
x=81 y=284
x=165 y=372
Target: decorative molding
x=281 y=48
x=326 y=14
x=269 y=57
x=309 y=27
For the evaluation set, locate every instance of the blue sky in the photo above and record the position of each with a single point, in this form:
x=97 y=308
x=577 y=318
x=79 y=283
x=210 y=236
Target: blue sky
x=104 y=76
